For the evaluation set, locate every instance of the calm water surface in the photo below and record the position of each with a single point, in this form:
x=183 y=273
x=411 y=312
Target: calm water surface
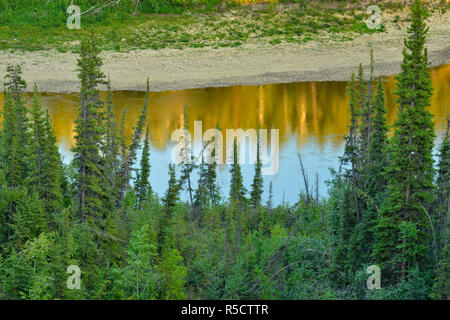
x=312 y=118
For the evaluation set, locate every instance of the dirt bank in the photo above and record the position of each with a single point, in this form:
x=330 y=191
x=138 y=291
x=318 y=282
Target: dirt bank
x=171 y=69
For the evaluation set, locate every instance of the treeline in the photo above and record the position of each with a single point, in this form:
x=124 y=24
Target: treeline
x=387 y=206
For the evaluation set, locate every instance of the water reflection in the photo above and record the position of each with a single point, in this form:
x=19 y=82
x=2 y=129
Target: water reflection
x=312 y=118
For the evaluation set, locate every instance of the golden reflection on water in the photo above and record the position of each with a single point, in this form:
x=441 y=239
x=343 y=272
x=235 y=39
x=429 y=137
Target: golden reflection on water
x=301 y=110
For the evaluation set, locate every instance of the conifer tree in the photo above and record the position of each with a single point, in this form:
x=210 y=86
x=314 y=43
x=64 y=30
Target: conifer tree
x=378 y=149
x=269 y=203
x=364 y=130
x=170 y=199
x=188 y=161
x=257 y=185
x=352 y=148
x=45 y=175
x=373 y=192
x=214 y=194
x=112 y=163
x=89 y=134
x=142 y=186
x=403 y=231
x=15 y=128
x=129 y=155
x=237 y=189
x=201 y=195
x=13 y=145
x=53 y=175
x=207 y=192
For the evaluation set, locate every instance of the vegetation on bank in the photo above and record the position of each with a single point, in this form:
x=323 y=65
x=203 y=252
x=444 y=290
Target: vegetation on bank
x=387 y=205
x=156 y=24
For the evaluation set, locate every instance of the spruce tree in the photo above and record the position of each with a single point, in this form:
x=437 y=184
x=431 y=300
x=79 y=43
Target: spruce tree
x=110 y=150
x=14 y=151
x=257 y=185
x=129 y=155
x=15 y=128
x=53 y=175
x=352 y=147
x=372 y=194
x=269 y=203
x=188 y=165
x=201 y=195
x=378 y=150
x=142 y=186
x=237 y=189
x=207 y=192
x=89 y=134
x=165 y=233
x=45 y=175
x=214 y=194
x=403 y=231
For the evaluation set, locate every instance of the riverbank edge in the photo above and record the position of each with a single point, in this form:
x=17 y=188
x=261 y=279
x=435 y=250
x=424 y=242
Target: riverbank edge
x=54 y=72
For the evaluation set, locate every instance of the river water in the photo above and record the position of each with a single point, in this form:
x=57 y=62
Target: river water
x=312 y=118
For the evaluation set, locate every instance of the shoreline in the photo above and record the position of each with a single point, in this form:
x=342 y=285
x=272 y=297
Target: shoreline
x=256 y=64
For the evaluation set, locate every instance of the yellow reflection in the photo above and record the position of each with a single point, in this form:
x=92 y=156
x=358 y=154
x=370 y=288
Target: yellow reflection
x=306 y=109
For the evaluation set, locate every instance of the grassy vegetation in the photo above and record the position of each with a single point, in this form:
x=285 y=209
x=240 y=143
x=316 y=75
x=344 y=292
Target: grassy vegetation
x=196 y=24
x=156 y=24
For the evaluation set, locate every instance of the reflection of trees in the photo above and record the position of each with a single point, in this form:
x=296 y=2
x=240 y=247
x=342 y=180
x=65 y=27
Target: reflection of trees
x=305 y=109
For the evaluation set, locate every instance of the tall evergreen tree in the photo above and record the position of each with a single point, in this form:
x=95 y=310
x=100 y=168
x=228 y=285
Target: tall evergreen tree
x=165 y=232
x=111 y=147
x=201 y=195
x=188 y=165
x=372 y=191
x=129 y=155
x=214 y=194
x=403 y=231
x=89 y=133
x=352 y=147
x=257 y=185
x=15 y=128
x=142 y=186
x=45 y=175
x=13 y=146
x=378 y=150
x=237 y=189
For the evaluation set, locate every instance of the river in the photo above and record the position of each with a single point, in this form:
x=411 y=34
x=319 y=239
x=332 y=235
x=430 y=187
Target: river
x=312 y=118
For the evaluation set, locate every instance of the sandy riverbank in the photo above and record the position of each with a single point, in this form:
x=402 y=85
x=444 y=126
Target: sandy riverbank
x=171 y=69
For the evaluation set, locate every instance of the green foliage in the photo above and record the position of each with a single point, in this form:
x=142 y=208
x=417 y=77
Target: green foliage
x=89 y=133
x=410 y=171
x=139 y=277
x=385 y=206
x=142 y=185
x=237 y=189
x=257 y=185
